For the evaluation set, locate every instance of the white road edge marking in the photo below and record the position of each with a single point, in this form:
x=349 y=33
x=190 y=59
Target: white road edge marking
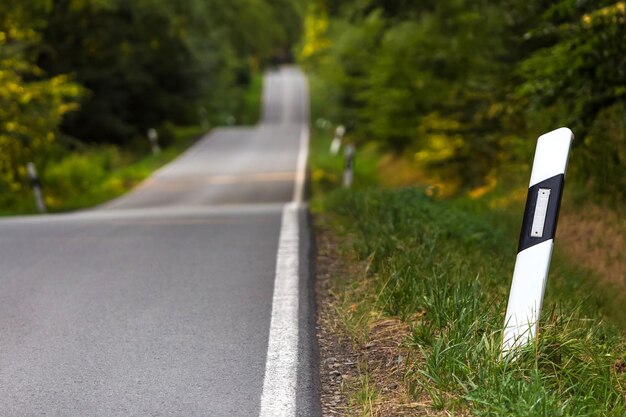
x=281 y=367
x=303 y=155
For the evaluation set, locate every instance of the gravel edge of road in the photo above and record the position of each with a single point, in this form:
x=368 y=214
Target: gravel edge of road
x=349 y=368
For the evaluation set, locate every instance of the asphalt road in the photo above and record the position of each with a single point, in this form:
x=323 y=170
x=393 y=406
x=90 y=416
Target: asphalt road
x=160 y=303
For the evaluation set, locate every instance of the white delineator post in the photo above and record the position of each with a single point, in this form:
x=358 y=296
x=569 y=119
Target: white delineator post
x=348 y=169
x=153 y=137
x=36 y=185
x=335 y=145
x=536 y=238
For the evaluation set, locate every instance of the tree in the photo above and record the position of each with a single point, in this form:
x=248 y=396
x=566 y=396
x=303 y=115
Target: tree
x=31 y=105
x=137 y=71
x=150 y=61
x=580 y=76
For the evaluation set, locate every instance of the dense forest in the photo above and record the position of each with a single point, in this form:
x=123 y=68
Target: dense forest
x=85 y=73
x=462 y=88
x=465 y=87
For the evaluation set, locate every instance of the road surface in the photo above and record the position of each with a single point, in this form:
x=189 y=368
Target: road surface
x=189 y=296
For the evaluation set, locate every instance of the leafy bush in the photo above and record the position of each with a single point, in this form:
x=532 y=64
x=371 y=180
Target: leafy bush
x=78 y=173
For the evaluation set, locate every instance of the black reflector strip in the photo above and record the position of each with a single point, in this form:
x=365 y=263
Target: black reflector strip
x=555 y=187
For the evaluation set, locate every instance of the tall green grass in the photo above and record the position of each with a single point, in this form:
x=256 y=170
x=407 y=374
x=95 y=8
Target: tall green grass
x=445 y=268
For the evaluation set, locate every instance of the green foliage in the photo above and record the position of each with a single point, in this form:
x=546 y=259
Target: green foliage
x=464 y=87
x=149 y=61
x=31 y=106
x=79 y=172
x=445 y=269
x=583 y=70
x=581 y=78
x=127 y=56
x=94 y=175
x=603 y=162
x=250 y=109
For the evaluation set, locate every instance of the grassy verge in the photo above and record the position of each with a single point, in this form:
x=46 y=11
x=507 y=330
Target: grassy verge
x=99 y=175
x=92 y=176
x=438 y=272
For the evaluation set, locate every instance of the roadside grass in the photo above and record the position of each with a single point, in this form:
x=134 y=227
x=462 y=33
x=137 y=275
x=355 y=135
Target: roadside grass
x=444 y=267
x=92 y=176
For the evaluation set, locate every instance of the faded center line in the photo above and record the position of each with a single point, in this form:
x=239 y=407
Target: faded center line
x=180 y=183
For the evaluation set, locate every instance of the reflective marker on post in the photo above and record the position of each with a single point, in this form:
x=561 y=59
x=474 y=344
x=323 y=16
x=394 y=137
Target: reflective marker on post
x=541 y=211
x=536 y=238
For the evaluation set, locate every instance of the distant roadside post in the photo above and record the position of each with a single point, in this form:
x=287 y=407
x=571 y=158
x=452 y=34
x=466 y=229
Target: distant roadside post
x=33 y=176
x=204 y=117
x=335 y=145
x=536 y=238
x=153 y=137
x=348 y=168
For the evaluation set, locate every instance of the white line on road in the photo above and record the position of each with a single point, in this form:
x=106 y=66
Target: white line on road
x=303 y=154
x=281 y=376
x=281 y=367
x=279 y=385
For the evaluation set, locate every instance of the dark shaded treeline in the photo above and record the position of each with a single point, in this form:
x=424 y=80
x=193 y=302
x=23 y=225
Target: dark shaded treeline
x=144 y=62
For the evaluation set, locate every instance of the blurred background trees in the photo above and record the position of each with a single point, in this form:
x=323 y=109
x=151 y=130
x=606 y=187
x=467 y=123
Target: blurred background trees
x=75 y=73
x=461 y=87
x=465 y=87
x=147 y=61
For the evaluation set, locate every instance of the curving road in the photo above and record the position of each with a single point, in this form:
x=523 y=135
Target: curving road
x=189 y=296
